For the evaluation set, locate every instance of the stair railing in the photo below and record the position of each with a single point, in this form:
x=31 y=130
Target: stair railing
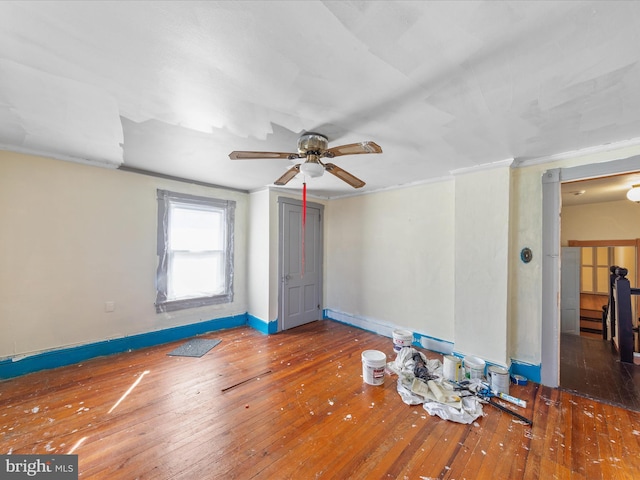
x=620 y=292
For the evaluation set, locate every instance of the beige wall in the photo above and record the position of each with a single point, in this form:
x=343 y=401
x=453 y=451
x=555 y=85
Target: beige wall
x=390 y=257
x=259 y=255
x=376 y=270
x=601 y=221
x=74 y=237
x=481 y=239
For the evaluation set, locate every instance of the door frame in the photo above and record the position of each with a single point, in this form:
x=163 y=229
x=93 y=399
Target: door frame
x=551 y=206
x=281 y=247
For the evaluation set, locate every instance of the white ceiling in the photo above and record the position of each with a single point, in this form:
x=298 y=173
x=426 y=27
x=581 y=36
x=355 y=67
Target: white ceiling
x=598 y=190
x=174 y=87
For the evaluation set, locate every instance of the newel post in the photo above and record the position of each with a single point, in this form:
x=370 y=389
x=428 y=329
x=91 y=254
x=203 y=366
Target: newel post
x=623 y=315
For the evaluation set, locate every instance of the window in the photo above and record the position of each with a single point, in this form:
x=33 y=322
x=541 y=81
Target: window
x=595 y=269
x=195 y=250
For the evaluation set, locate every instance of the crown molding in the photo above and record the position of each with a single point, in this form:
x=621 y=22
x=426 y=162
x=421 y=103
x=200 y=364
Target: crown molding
x=609 y=147
x=485 y=166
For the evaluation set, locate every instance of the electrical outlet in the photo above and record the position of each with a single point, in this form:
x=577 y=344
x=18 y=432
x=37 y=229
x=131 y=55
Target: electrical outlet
x=109 y=306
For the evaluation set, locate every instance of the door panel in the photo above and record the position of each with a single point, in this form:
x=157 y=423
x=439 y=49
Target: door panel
x=301 y=283
x=570 y=290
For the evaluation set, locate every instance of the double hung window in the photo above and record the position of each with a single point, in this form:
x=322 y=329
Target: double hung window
x=195 y=250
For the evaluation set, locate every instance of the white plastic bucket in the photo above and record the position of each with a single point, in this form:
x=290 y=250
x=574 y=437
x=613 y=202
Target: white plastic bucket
x=451 y=367
x=402 y=338
x=499 y=378
x=373 y=364
x=474 y=367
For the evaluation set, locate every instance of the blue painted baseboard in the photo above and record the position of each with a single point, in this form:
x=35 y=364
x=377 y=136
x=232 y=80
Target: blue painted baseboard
x=13 y=367
x=263 y=326
x=530 y=372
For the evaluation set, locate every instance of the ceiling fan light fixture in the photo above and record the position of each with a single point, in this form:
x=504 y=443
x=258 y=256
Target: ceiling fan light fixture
x=634 y=194
x=312 y=169
x=313 y=147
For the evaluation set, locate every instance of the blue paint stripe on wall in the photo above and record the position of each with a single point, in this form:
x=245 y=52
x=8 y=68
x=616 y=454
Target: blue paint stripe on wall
x=530 y=372
x=262 y=325
x=69 y=356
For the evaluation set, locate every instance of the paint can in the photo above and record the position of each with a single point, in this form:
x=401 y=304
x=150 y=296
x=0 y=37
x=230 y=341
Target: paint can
x=401 y=339
x=499 y=378
x=373 y=365
x=451 y=368
x=474 y=367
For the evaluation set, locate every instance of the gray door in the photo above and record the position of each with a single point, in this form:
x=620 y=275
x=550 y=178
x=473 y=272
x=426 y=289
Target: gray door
x=300 y=282
x=570 y=290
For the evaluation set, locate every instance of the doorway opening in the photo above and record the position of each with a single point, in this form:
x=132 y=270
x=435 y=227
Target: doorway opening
x=560 y=349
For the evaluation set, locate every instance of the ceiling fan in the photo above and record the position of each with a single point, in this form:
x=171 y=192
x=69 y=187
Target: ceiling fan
x=313 y=147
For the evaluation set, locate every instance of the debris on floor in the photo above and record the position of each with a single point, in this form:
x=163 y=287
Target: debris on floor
x=420 y=381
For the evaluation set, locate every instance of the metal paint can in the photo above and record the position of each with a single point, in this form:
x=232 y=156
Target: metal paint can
x=499 y=378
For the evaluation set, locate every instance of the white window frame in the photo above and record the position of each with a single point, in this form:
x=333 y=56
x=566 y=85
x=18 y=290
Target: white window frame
x=167 y=199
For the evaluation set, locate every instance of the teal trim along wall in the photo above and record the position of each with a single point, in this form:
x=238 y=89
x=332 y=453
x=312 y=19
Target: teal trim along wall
x=21 y=365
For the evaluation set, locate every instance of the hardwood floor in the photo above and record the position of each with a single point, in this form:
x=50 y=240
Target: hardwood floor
x=293 y=405
x=592 y=368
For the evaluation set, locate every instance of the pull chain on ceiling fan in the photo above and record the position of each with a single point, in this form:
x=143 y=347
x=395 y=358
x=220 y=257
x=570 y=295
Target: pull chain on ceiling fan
x=313 y=147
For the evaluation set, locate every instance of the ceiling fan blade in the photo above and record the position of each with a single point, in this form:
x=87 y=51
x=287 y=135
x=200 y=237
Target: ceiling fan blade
x=241 y=155
x=355 y=182
x=288 y=175
x=353 y=149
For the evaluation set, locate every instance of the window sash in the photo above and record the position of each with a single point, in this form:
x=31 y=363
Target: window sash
x=195 y=274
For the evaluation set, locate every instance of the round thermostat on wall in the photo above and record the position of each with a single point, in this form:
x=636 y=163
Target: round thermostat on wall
x=526 y=255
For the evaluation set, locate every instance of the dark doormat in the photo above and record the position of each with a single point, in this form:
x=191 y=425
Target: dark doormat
x=196 y=347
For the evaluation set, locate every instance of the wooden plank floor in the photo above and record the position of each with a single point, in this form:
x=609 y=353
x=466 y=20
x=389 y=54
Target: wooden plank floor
x=293 y=405
x=592 y=368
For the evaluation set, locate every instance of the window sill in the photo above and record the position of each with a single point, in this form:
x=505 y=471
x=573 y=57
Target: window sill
x=174 y=305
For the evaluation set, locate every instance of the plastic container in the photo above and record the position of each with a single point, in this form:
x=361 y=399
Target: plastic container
x=474 y=367
x=373 y=365
x=451 y=368
x=401 y=339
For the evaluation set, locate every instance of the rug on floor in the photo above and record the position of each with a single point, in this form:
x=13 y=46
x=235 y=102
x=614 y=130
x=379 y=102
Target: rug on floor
x=196 y=347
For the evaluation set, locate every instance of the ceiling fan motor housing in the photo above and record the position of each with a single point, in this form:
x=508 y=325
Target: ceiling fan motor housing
x=312 y=143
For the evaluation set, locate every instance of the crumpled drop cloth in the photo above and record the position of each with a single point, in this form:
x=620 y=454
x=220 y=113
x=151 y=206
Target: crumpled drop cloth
x=404 y=365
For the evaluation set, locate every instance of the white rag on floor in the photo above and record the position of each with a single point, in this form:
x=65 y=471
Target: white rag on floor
x=438 y=399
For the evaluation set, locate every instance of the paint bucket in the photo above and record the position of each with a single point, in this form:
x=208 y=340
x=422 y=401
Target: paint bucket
x=474 y=367
x=373 y=364
x=402 y=338
x=499 y=378
x=451 y=367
